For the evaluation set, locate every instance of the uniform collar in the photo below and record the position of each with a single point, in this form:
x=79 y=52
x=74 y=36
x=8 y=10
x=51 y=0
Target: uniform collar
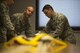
x=54 y=16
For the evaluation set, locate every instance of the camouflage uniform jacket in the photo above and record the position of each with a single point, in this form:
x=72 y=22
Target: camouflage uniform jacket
x=5 y=22
x=58 y=26
x=4 y=17
x=21 y=24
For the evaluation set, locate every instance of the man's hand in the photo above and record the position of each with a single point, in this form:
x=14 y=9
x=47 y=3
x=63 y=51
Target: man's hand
x=46 y=39
x=12 y=32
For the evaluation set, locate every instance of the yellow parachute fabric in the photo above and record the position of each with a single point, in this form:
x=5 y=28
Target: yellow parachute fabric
x=56 y=45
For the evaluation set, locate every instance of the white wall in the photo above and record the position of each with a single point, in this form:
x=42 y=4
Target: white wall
x=70 y=8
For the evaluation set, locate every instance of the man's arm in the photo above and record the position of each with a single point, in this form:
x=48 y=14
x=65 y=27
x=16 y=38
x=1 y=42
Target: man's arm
x=28 y=30
x=59 y=27
x=5 y=18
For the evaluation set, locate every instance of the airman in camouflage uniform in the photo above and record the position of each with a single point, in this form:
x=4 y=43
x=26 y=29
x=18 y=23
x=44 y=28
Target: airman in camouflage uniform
x=58 y=25
x=5 y=22
x=22 y=23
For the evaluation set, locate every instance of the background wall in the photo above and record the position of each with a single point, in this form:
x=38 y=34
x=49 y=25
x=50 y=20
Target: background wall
x=20 y=5
x=70 y=8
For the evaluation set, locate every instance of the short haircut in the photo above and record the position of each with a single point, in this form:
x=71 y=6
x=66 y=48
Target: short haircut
x=47 y=6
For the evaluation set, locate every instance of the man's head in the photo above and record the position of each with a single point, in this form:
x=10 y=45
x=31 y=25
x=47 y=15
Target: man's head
x=9 y=2
x=48 y=10
x=29 y=11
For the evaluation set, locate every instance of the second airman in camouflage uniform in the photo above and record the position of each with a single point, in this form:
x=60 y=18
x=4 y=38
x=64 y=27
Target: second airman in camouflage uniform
x=22 y=23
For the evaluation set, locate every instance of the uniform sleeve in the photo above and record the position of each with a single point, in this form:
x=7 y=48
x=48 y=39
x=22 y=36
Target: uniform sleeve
x=59 y=27
x=47 y=28
x=14 y=18
x=28 y=30
x=5 y=18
